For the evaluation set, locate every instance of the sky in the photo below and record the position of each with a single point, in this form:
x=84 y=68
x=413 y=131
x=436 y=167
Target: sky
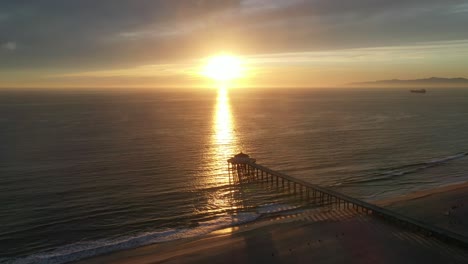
x=294 y=43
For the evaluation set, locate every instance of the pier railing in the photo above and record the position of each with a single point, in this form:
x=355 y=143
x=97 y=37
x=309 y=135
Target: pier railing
x=247 y=169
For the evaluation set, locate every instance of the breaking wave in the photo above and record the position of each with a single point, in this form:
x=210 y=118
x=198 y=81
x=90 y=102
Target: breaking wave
x=392 y=172
x=87 y=249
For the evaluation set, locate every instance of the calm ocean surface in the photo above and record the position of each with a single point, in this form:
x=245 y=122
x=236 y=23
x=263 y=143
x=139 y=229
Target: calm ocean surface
x=88 y=172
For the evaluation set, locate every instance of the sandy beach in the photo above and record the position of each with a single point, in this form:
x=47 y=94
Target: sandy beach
x=446 y=207
x=322 y=236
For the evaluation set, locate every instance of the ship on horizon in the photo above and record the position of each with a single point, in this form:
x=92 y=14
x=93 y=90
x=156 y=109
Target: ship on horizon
x=418 y=91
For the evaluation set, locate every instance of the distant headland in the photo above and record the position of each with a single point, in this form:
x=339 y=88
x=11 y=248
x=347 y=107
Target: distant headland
x=428 y=82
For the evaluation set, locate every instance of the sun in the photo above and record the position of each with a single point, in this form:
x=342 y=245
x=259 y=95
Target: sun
x=223 y=68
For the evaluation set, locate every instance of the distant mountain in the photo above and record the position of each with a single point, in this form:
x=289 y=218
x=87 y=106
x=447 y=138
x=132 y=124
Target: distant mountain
x=433 y=81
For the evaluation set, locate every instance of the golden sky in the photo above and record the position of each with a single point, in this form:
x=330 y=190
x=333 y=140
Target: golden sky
x=295 y=43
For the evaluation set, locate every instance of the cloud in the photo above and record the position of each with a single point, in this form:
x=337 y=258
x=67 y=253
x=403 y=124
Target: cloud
x=125 y=33
x=305 y=69
x=389 y=55
x=10 y=46
x=3 y=17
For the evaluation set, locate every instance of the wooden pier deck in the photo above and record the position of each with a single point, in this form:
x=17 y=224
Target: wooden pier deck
x=246 y=169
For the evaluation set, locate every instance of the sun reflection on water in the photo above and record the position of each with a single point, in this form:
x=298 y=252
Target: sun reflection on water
x=223 y=146
x=224 y=140
x=223 y=127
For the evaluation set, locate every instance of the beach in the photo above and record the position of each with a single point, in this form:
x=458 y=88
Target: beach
x=446 y=207
x=102 y=172
x=321 y=235
x=119 y=121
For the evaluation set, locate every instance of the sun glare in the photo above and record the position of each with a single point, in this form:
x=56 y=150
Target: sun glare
x=223 y=68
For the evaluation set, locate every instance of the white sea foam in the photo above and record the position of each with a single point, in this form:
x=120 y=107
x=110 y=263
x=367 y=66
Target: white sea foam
x=86 y=249
x=390 y=173
x=275 y=208
x=449 y=158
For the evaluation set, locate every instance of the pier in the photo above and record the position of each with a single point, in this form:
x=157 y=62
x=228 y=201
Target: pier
x=243 y=169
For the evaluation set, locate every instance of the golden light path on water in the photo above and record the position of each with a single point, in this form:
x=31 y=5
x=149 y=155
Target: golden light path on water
x=223 y=125
x=223 y=138
x=225 y=145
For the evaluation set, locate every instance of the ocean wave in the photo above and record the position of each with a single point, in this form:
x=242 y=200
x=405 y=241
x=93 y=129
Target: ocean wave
x=86 y=249
x=392 y=172
x=275 y=208
x=449 y=158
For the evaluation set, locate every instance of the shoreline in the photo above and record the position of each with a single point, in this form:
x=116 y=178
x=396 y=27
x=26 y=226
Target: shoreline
x=389 y=202
x=445 y=207
x=426 y=205
x=165 y=250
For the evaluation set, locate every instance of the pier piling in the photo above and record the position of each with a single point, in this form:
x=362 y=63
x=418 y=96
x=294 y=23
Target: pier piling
x=242 y=166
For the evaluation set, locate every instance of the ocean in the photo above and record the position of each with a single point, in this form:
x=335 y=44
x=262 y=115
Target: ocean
x=87 y=172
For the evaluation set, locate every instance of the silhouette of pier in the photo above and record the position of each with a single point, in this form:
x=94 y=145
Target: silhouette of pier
x=244 y=169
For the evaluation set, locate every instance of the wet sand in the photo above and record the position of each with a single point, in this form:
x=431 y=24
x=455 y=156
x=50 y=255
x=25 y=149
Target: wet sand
x=317 y=236
x=446 y=207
